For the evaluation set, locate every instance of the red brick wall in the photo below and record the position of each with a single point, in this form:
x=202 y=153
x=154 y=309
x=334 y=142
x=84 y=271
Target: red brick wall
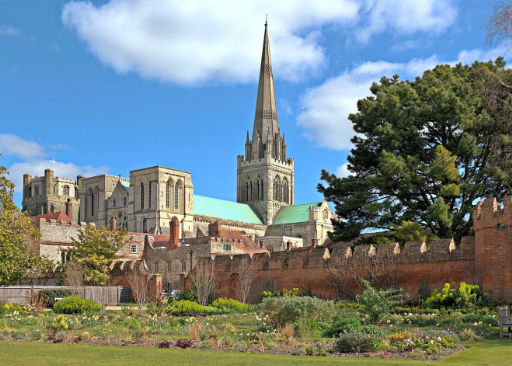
x=308 y=268
x=493 y=252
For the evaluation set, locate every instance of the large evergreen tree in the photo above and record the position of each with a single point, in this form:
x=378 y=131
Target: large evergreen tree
x=425 y=150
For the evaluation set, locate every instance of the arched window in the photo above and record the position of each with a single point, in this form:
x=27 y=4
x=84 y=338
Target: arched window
x=167 y=194
x=56 y=189
x=262 y=191
x=76 y=193
x=142 y=196
x=285 y=191
x=114 y=203
x=145 y=225
x=36 y=191
x=277 y=188
x=177 y=195
x=252 y=192
x=124 y=202
x=66 y=190
x=258 y=189
x=246 y=191
x=149 y=194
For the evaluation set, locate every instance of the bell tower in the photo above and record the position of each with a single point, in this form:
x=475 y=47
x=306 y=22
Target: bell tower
x=265 y=175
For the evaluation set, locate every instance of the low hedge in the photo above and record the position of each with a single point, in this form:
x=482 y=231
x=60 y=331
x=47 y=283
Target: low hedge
x=230 y=305
x=283 y=310
x=49 y=295
x=181 y=307
x=75 y=305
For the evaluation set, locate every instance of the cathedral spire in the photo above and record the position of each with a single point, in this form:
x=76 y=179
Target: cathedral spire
x=265 y=117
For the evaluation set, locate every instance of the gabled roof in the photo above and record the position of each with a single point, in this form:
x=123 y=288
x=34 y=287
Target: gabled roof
x=222 y=209
x=294 y=213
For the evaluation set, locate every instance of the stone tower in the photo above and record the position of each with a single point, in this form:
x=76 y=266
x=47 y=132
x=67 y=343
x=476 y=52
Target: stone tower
x=265 y=177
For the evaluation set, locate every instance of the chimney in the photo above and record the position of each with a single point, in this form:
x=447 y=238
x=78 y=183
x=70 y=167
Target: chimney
x=314 y=242
x=69 y=208
x=174 y=233
x=213 y=229
x=262 y=244
x=289 y=245
x=113 y=223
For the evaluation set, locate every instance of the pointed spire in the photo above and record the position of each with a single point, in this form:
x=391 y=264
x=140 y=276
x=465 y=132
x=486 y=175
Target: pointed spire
x=247 y=138
x=265 y=117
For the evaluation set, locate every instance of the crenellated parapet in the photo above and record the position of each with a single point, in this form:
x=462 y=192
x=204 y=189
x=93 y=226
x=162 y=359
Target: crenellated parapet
x=488 y=213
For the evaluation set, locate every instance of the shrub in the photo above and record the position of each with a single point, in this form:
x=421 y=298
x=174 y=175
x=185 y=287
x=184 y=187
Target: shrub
x=345 y=325
x=187 y=295
x=467 y=335
x=457 y=296
x=420 y=320
x=280 y=293
x=377 y=302
x=182 y=307
x=306 y=327
x=74 y=305
x=12 y=307
x=356 y=342
x=373 y=330
x=49 y=295
x=283 y=310
x=230 y=305
x=183 y=343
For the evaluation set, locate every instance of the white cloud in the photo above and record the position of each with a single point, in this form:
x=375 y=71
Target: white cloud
x=343 y=171
x=192 y=42
x=9 y=30
x=32 y=161
x=61 y=169
x=15 y=146
x=406 y=16
x=325 y=109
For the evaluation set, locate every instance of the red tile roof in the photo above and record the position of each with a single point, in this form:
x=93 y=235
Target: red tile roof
x=59 y=216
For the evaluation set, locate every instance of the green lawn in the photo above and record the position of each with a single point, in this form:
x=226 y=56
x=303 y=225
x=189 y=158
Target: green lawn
x=489 y=352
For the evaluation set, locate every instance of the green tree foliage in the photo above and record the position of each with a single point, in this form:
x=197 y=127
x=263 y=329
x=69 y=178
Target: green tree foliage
x=96 y=250
x=425 y=150
x=18 y=237
x=378 y=302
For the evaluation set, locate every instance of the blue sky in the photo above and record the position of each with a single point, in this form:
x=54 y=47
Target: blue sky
x=97 y=87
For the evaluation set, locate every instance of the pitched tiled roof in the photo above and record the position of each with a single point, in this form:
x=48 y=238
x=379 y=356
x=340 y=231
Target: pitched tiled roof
x=222 y=209
x=59 y=216
x=293 y=214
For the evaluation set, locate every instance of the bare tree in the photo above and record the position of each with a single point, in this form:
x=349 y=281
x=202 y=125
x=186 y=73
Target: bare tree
x=203 y=280
x=344 y=274
x=139 y=283
x=499 y=27
x=74 y=274
x=245 y=279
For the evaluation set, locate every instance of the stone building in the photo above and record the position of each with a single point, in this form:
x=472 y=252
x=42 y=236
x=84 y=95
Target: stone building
x=170 y=226
x=265 y=176
x=148 y=200
x=50 y=194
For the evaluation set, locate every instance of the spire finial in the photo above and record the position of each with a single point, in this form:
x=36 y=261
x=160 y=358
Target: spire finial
x=266 y=20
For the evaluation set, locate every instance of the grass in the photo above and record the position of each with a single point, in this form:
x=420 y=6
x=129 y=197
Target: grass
x=488 y=352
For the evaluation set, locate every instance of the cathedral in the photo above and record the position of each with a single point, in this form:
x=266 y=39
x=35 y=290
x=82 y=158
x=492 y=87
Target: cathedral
x=150 y=198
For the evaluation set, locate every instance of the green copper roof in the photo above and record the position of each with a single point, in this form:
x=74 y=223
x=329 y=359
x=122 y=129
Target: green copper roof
x=228 y=210
x=293 y=214
x=126 y=185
